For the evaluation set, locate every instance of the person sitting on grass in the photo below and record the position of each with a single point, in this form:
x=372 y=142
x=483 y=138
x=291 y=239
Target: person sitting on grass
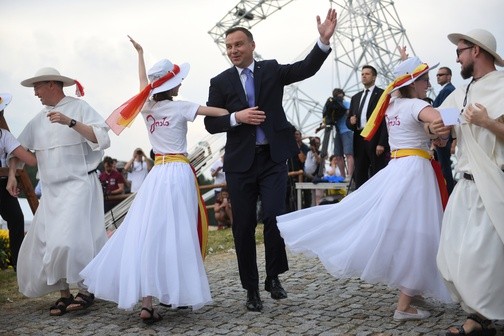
x=222 y=209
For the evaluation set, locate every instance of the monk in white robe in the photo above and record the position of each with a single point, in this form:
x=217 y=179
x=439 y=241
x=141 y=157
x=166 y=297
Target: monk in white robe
x=471 y=251
x=68 y=230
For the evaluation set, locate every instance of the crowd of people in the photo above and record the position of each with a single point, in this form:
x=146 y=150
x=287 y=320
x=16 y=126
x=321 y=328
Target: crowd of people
x=407 y=224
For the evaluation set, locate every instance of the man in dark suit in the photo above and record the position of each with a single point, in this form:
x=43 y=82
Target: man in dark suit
x=443 y=154
x=259 y=142
x=369 y=156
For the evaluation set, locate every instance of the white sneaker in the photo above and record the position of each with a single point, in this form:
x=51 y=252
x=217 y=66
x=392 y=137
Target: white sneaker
x=405 y=316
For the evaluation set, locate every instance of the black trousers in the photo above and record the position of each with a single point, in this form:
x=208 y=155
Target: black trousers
x=11 y=212
x=367 y=163
x=267 y=180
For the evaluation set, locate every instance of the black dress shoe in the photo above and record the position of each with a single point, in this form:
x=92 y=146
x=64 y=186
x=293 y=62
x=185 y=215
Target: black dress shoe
x=254 y=302
x=273 y=285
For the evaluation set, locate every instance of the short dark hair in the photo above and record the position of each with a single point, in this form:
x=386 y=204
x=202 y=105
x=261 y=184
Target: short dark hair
x=405 y=92
x=163 y=95
x=108 y=159
x=58 y=83
x=448 y=70
x=370 y=67
x=242 y=29
x=313 y=140
x=337 y=92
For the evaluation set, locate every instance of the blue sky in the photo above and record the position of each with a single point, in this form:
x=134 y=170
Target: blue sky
x=87 y=40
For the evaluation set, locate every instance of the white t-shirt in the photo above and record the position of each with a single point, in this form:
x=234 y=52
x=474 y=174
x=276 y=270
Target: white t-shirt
x=404 y=128
x=137 y=174
x=221 y=176
x=166 y=123
x=7 y=144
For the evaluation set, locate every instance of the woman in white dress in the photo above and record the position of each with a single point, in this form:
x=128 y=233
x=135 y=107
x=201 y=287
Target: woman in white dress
x=388 y=230
x=156 y=251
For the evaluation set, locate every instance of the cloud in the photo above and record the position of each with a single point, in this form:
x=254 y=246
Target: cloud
x=87 y=39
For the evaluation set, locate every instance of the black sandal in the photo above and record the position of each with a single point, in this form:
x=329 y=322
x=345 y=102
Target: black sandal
x=85 y=302
x=61 y=305
x=485 y=330
x=153 y=317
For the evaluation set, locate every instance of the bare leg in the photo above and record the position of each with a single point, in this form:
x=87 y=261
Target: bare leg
x=60 y=308
x=350 y=164
x=147 y=313
x=404 y=303
x=229 y=214
x=147 y=303
x=474 y=322
x=340 y=162
x=405 y=311
x=220 y=218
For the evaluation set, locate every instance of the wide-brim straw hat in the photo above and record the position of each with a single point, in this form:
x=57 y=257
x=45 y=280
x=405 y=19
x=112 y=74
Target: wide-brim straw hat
x=161 y=68
x=48 y=74
x=482 y=38
x=5 y=99
x=407 y=67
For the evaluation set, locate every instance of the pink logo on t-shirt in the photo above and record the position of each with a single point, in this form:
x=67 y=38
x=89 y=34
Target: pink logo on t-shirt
x=156 y=123
x=393 y=122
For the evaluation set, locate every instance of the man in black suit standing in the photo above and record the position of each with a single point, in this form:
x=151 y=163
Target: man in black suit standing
x=259 y=142
x=369 y=156
x=444 y=76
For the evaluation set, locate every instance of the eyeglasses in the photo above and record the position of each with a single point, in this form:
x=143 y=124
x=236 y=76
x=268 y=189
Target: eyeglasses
x=439 y=75
x=459 y=51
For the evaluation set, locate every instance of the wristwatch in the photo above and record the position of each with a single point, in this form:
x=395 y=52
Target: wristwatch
x=73 y=122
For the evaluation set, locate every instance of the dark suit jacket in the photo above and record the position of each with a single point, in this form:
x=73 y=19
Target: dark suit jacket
x=445 y=92
x=226 y=91
x=381 y=136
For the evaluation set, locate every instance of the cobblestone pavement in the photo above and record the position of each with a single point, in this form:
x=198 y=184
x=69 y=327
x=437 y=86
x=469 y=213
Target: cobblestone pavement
x=318 y=304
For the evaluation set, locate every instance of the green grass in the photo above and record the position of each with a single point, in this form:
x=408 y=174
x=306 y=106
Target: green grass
x=218 y=241
x=9 y=288
x=222 y=240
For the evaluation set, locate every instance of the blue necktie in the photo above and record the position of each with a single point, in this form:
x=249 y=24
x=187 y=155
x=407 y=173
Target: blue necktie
x=250 y=92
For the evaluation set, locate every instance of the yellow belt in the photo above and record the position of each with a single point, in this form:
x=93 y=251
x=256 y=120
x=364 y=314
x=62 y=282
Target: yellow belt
x=162 y=159
x=399 y=153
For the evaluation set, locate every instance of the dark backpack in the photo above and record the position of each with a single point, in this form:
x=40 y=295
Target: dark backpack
x=333 y=111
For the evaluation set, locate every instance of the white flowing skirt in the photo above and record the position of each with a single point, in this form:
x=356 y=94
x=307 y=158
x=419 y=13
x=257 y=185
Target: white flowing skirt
x=386 y=232
x=155 y=251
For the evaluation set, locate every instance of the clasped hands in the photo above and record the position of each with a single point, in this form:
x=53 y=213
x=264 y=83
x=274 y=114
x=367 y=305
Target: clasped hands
x=251 y=116
x=438 y=128
x=476 y=114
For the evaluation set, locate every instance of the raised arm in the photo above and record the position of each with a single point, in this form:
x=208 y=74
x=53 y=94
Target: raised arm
x=142 y=73
x=402 y=52
x=326 y=28
x=211 y=111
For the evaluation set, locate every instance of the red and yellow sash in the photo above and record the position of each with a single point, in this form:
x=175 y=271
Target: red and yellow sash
x=378 y=114
x=124 y=115
x=443 y=191
x=202 y=212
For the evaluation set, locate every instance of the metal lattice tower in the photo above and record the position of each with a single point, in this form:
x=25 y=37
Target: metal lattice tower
x=246 y=13
x=368 y=32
